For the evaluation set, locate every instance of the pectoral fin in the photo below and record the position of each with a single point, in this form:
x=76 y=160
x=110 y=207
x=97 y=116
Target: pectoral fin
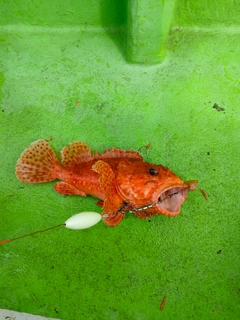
x=112 y=219
x=112 y=201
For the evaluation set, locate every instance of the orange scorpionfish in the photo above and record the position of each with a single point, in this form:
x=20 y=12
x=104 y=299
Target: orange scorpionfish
x=120 y=179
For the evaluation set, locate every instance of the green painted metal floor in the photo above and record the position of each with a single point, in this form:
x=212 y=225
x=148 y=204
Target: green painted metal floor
x=122 y=272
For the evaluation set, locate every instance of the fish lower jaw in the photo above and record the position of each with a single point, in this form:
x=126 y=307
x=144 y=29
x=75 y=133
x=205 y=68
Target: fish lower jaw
x=169 y=213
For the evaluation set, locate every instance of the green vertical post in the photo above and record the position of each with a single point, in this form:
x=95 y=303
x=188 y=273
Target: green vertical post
x=147 y=30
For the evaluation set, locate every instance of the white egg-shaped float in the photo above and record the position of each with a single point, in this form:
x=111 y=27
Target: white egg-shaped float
x=83 y=220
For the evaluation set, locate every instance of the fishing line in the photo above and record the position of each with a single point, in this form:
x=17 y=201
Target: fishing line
x=79 y=221
x=151 y=205
x=32 y=233
x=133 y=209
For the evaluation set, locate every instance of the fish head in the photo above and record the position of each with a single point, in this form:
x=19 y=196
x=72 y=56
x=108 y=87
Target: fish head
x=143 y=184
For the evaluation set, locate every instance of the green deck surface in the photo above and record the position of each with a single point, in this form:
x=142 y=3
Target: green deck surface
x=47 y=64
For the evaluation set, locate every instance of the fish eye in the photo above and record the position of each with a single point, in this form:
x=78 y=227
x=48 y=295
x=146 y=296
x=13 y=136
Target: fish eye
x=153 y=172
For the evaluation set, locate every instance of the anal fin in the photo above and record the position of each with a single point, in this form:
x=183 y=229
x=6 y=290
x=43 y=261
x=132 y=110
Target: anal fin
x=66 y=188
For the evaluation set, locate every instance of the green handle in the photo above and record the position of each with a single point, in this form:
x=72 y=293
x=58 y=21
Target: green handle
x=147 y=30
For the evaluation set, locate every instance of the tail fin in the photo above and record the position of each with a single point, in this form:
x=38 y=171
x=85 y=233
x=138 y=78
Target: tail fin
x=37 y=163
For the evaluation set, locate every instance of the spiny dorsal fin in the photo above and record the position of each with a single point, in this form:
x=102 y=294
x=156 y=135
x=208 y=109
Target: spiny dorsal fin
x=79 y=153
x=117 y=153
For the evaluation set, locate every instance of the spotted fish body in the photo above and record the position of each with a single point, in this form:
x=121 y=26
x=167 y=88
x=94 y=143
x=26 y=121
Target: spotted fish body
x=121 y=179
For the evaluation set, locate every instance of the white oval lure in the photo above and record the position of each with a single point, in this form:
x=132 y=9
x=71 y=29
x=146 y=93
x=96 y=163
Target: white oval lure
x=83 y=220
x=79 y=221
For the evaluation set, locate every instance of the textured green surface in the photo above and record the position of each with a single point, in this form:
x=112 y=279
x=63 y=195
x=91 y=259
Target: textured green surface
x=122 y=272
x=57 y=13
x=206 y=13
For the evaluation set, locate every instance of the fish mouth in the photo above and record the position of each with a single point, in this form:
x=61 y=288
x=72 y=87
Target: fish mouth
x=170 y=200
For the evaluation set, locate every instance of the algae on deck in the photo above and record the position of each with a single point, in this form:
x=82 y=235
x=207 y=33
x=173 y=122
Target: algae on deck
x=54 y=53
